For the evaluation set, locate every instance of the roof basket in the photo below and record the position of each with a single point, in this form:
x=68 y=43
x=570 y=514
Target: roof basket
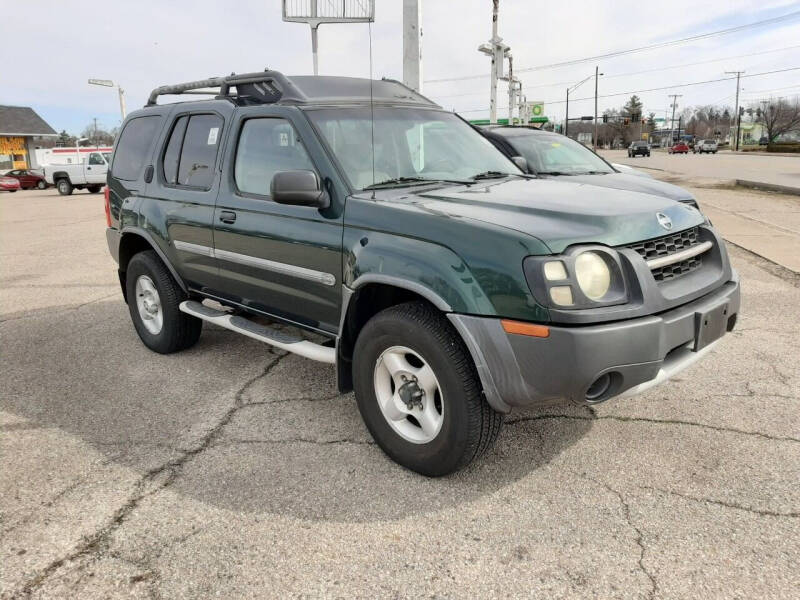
x=266 y=87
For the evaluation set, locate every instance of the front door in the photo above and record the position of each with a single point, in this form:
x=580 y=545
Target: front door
x=278 y=259
x=96 y=168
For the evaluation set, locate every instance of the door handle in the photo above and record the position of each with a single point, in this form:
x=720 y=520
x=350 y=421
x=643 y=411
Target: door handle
x=227 y=216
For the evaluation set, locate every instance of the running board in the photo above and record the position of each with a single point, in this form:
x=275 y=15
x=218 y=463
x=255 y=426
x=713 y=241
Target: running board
x=261 y=333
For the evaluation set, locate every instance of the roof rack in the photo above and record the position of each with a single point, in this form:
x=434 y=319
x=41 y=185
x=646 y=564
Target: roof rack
x=265 y=87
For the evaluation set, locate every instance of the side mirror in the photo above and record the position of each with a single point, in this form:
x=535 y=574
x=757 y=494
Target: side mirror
x=298 y=188
x=521 y=162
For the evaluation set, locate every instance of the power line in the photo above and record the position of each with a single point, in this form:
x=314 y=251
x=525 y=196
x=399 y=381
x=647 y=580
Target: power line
x=680 y=66
x=578 y=61
x=656 y=89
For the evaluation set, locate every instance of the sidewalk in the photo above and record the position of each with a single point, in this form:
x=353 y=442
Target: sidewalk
x=765 y=223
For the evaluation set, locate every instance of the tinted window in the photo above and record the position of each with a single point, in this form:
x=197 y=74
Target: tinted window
x=133 y=146
x=199 y=153
x=96 y=159
x=173 y=152
x=267 y=146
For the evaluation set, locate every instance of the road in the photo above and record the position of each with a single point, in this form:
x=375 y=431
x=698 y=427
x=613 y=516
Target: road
x=233 y=471
x=780 y=170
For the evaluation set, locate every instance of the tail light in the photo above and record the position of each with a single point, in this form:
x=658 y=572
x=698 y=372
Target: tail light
x=108 y=206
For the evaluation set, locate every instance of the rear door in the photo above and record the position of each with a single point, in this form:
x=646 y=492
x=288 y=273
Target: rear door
x=180 y=201
x=281 y=260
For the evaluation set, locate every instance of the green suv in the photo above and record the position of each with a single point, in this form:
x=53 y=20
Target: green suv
x=445 y=285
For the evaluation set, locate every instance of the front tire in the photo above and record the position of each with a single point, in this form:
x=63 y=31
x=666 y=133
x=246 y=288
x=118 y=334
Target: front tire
x=153 y=301
x=41 y=185
x=64 y=187
x=94 y=189
x=419 y=393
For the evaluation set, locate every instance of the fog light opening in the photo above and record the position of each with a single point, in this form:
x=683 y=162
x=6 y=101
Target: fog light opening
x=599 y=388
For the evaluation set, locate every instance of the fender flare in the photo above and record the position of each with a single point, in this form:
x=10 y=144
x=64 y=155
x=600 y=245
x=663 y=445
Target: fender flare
x=151 y=241
x=399 y=282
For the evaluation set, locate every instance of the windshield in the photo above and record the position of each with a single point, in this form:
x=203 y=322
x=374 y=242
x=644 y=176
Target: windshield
x=410 y=143
x=553 y=153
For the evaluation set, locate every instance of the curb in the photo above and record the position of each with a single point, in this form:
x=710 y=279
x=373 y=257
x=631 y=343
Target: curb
x=772 y=187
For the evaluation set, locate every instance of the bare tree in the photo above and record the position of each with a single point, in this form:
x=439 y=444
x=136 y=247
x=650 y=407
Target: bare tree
x=779 y=116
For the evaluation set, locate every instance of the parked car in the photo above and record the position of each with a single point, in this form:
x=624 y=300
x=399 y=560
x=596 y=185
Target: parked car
x=638 y=149
x=89 y=174
x=28 y=179
x=678 y=148
x=445 y=285
x=763 y=140
x=552 y=155
x=707 y=146
x=9 y=184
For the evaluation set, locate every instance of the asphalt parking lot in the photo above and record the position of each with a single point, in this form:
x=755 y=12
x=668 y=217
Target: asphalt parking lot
x=230 y=470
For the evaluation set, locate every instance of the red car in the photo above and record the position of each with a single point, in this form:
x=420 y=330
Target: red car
x=678 y=148
x=8 y=184
x=28 y=179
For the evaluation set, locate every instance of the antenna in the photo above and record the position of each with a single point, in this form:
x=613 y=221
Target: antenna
x=371 y=108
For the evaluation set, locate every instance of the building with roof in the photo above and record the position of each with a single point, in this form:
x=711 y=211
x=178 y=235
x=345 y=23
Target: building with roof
x=19 y=126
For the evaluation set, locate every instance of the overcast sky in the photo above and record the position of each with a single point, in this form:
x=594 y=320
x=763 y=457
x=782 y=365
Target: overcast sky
x=53 y=47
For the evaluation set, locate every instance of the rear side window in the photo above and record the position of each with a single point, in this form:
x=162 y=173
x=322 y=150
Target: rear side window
x=132 y=147
x=267 y=146
x=172 y=155
x=199 y=151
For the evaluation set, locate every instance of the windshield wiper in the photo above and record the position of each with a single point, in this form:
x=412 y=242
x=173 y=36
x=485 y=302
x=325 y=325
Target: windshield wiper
x=554 y=173
x=411 y=181
x=490 y=175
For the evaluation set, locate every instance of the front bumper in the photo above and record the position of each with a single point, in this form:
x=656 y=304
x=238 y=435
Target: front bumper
x=636 y=354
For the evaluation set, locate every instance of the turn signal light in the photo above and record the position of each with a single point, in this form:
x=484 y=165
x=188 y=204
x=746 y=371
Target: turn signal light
x=521 y=328
x=108 y=206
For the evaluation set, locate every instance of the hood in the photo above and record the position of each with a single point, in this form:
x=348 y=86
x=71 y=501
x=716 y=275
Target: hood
x=633 y=183
x=561 y=213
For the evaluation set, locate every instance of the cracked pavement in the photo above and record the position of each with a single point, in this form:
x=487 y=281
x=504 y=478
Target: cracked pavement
x=237 y=471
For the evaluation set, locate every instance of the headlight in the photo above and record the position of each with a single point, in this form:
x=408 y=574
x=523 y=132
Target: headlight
x=583 y=277
x=593 y=274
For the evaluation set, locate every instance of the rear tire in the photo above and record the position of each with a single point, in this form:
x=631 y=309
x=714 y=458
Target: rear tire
x=394 y=347
x=64 y=187
x=153 y=301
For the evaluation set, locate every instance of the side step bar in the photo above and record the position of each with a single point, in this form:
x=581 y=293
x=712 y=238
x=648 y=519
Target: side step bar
x=261 y=333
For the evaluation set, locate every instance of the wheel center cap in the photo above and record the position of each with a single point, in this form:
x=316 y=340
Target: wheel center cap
x=411 y=394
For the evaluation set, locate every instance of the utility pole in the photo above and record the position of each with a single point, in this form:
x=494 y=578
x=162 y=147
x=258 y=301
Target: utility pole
x=497 y=50
x=594 y=137
x=738 y=118
x=672 y=120
x=566 y=117
x=96 y=145
x=412 y=44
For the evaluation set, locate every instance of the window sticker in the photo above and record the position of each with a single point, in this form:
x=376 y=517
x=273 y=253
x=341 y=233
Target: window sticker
x=284 y=139
x=212 y=135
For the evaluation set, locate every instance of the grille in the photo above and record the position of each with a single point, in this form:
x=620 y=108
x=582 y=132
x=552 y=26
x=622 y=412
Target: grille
x=667 y=245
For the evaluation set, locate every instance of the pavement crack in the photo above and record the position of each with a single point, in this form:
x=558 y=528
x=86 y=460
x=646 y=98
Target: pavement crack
x=43 y=311
x=626 y=511
x=676 y=422
x=299 y=440
x=733 y=505
x=98 y=542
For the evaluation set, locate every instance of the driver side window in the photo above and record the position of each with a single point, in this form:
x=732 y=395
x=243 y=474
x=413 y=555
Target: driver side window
x=267 y=146
x=96 y=159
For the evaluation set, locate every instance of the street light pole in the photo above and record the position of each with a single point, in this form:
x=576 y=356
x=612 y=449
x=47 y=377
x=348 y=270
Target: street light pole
x=109 y=83
x=566 y=118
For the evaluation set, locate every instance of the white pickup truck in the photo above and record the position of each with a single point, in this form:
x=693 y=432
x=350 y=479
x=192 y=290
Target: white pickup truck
x=90 y=173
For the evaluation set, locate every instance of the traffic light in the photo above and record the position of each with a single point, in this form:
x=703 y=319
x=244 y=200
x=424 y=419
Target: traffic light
x=605 y=118
x=741 y=111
